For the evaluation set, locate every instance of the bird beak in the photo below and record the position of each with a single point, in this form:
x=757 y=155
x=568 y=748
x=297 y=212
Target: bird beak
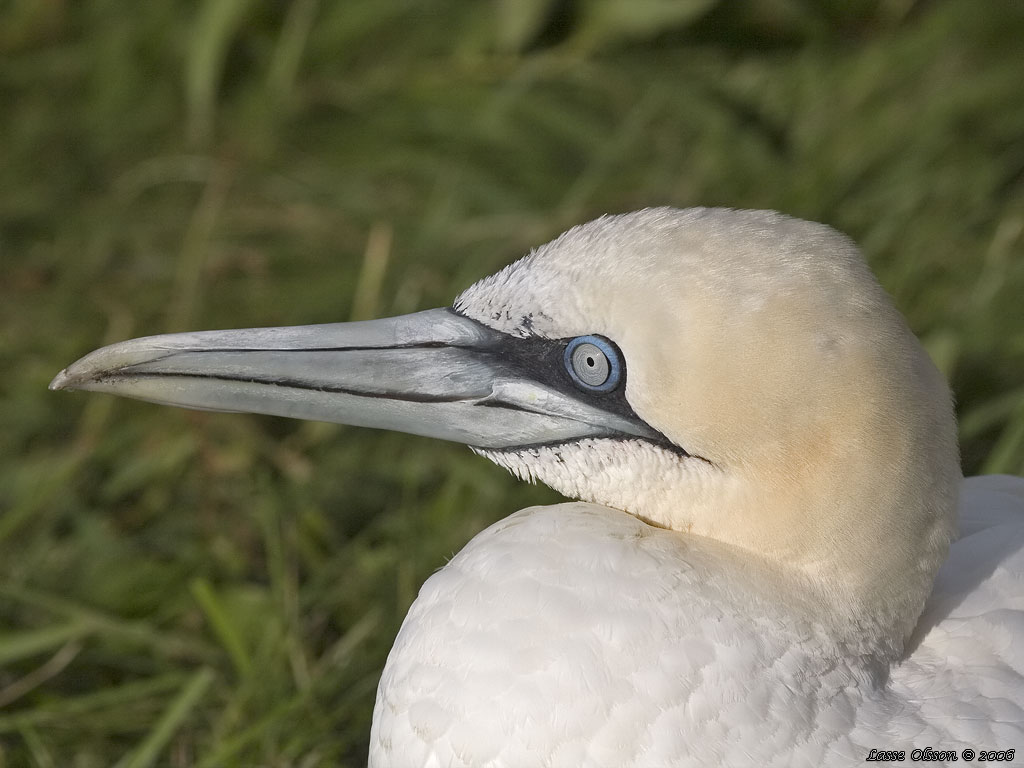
x=433 y=373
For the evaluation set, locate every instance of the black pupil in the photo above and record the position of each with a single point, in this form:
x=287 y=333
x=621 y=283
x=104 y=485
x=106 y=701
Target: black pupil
x=590 y=362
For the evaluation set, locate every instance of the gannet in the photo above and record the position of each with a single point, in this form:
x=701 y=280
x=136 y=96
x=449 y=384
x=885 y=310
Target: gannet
x=766 y=475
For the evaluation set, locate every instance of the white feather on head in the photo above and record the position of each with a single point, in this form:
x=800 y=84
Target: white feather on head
x=763 y=345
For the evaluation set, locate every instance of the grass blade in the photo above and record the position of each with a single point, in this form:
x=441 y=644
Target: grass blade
x=19 y=645
x=147 y=752
x=222 y=626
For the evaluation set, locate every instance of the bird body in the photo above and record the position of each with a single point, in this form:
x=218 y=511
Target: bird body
x=584 y=635
x=576 y=635
x=768 y=480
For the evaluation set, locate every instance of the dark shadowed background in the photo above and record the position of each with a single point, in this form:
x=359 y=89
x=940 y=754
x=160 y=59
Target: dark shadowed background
x=183 y=588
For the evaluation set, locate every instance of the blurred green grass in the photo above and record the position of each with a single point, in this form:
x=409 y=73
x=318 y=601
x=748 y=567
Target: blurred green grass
x=187 y=589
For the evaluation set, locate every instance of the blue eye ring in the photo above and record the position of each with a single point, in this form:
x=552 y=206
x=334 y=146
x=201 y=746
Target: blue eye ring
x=576 y=363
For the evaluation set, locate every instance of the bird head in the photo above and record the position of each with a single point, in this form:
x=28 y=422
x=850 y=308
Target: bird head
x=733 y=375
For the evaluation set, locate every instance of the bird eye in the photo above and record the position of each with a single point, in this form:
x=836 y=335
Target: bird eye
x=594 y=363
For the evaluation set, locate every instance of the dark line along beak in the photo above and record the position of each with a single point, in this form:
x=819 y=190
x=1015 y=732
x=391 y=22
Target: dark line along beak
x=433 y=373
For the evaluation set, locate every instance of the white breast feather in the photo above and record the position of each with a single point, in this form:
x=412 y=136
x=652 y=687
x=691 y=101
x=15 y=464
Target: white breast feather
x=657 y=659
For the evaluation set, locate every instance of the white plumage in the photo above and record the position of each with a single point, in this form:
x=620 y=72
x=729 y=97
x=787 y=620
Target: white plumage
x=576 y=635
x=580 y=635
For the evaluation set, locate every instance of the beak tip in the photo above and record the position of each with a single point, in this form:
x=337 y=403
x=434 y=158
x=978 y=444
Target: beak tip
x=90 y=369
x=61 y=381
x=69 y=378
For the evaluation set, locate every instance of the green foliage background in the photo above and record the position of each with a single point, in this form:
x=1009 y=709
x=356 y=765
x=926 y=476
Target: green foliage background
x=184 y=589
